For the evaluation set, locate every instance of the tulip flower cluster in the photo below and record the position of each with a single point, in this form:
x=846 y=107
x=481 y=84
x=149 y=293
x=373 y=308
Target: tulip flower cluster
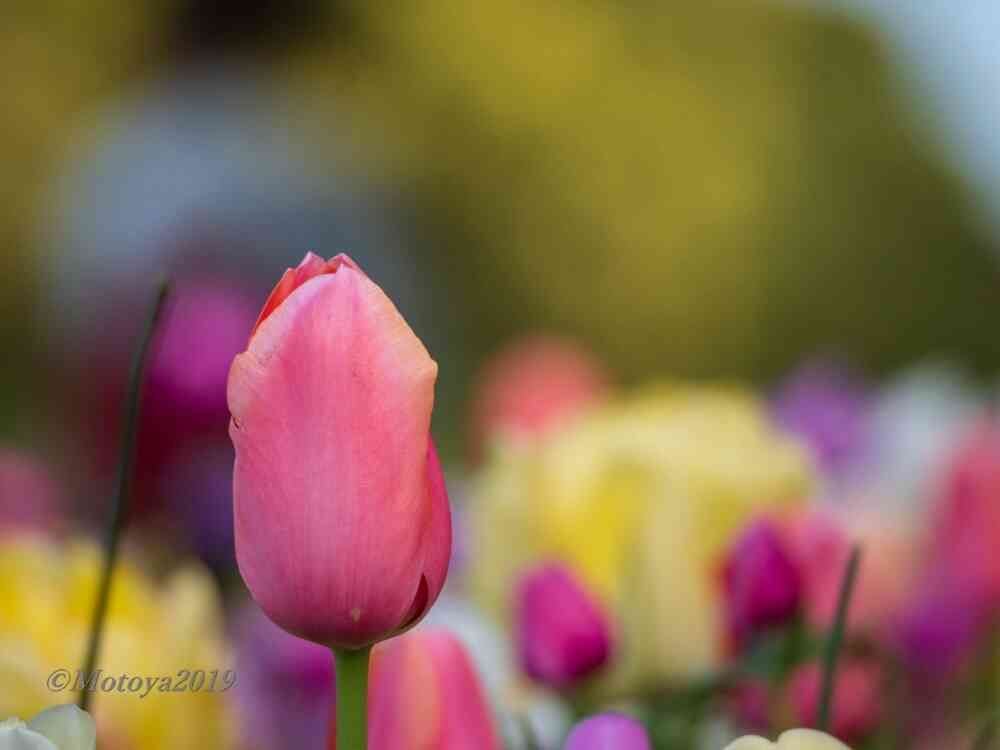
x=638 y=571
x=154 y=629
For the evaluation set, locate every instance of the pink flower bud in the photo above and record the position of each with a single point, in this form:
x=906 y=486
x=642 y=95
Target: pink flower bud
x=425 y=695
x=763 y=584
x=608 y=732
x=342 y=525
x=563 y=634
x=534 y=385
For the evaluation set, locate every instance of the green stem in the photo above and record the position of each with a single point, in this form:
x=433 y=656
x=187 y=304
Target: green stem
x=352 y=698
x=836 y=638
x=119 y=511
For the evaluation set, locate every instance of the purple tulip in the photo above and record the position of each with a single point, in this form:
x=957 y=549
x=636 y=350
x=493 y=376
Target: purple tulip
x=763 y=585
x=563 y=634
x=942 y=625
x=608 y=732
x=829 y=409
x=286 y=693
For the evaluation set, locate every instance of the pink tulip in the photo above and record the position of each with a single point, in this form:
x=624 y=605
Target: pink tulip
x=820 y=542
x=425 y=695
x=563 y=633
x=534 y=385
x=342 y=525
x=966 y=528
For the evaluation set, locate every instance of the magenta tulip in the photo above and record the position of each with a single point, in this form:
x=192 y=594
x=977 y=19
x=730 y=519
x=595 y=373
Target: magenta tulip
x=426 y=695
x=342 y=525
x=563 y=634
x=763 y=585
x=608 y=732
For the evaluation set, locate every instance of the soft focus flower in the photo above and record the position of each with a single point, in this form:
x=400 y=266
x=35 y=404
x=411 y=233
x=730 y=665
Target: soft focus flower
x=517 y=703
x=425 y=695
x=184 y=407
x=563 y=635
x=343 y=531
x=640 y=499
x=763 y=584
x=820 y=541
x=940 y=624
x=204 y=329
x=916 y=421
x=749 y=701
x=793 y=739
x=199 y=488
x=827 y=407
x=63 y=727
x=608 y=732
x=30 y=496
x=48 y=595
x=534 y=385
x=285 y=695
x=857 y=697
x=966 y=520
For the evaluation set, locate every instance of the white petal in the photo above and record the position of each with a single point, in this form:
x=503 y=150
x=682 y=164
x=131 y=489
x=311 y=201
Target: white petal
x=809 y=739
x=14 y=735
x=751 y=743
x=68 y=727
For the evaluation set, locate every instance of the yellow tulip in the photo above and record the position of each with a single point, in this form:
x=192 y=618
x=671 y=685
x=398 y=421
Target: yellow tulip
x=640 y=497
x=151 y=630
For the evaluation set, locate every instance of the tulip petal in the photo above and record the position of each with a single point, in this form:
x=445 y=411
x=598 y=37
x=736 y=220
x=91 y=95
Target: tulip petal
x=809 y=739
x=405 y=704
x=67 y=727
x=751 y=742
x=311 y=266
x=437 y=541
x=467 y=719
x=14 y=735
x=331 y=407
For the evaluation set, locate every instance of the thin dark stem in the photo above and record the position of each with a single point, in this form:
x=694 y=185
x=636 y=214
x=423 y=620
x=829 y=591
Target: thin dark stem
x=119 y=510
x=836 y=639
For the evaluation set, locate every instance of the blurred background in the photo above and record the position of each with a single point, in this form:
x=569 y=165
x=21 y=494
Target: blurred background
x=713 y=190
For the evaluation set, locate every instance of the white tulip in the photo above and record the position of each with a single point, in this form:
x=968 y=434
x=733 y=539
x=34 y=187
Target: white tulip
x=57 y=728
x=794 y=739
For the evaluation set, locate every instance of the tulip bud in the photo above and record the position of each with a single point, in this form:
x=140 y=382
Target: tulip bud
x=563 y=634
x=425 y=695
x=763 y=585
x=532 y=386
x=856 y=709
x=342 y=525
x=608 y=732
